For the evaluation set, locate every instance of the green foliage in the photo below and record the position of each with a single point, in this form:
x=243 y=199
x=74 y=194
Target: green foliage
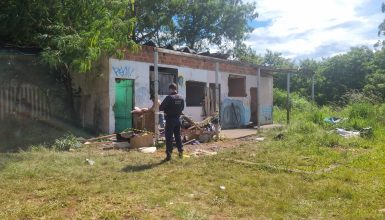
x=155 y=21
x=343 y=73
x=196 y=24
x=296 y=101
x=356 y=76
x=375 y=85
x=73 y=34
x=361 y=111
x=247 y=54
x=214 y=22
x=66 y=143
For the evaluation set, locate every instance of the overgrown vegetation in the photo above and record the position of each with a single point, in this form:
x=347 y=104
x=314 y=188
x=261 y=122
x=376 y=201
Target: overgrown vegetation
x=304 y=170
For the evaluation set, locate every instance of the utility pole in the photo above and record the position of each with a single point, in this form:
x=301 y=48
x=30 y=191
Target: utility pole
x=259 y=97
x=288 y=99
x=217 y=99
x=156 y=88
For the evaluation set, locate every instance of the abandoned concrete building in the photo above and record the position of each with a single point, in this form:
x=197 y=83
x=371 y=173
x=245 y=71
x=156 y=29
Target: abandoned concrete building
x=108 y=96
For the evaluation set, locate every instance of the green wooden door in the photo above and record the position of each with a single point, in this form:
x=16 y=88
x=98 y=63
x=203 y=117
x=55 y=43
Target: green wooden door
x=124 y=90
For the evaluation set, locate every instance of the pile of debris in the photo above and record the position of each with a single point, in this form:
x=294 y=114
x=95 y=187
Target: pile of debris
x=365 y=132
x=133 y=139
x=202 y=132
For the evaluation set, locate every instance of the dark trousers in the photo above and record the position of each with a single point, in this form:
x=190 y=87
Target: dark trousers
x=173 y=128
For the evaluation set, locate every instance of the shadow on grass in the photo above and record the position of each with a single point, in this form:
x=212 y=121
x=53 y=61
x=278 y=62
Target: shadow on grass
x=141 y=167
x=17 y=134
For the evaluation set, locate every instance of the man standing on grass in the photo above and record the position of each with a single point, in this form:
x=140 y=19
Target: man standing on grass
x=173 y=106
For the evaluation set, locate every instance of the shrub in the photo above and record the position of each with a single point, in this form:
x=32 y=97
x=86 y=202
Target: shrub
x=362 y=111
x=297 y=101
x=66 y=143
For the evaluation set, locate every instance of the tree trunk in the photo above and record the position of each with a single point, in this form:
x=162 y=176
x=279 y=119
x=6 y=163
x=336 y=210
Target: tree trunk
x=66 y=79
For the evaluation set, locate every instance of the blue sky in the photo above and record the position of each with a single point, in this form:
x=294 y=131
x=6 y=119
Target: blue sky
x=302 y=29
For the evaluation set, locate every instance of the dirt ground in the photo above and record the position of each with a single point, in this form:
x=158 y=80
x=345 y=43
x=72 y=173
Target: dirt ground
x=201 y=149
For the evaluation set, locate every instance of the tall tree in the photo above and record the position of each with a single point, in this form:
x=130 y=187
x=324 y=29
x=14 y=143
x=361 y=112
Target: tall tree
x=199 y=23
x=156 y=21
x=195 y=23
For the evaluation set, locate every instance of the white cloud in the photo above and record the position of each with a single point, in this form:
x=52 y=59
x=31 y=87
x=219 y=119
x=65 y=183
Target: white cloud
x=314 y=28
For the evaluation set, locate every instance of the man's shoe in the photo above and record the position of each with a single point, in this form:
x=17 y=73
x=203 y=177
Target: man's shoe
x=180 y=155
x=167 y=159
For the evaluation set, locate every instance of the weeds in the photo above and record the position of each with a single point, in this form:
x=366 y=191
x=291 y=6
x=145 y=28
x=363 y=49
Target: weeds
x=66 y=143
x=306 y=172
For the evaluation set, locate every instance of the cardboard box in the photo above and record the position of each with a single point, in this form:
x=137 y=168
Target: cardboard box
x=145 y=121
x=142 y=140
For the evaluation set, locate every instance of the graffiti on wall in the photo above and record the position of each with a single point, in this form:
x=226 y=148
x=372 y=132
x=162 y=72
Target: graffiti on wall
x=234 y=114
x=123 y=71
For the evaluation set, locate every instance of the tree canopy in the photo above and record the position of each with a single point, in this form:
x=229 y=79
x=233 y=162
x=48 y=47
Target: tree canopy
x=70 y=33
x=195 y=23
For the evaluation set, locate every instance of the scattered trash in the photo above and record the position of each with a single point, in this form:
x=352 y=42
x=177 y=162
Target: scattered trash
x=347 y=134
x=205 y=137
x=196 y=143
x=189 y=142
x=333 y=120
x=381 y=210
x=87 y=143
x=260 y=139
x=90 y=162
x=367 y=132
x=147 y=150
x=123 y=137
x=203 y=131
x=191 y=195
x=222 y=187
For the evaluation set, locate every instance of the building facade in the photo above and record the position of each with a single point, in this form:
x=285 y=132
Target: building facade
x=109 y=94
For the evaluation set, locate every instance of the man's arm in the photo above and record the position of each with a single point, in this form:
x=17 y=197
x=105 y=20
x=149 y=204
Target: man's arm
x=164 y=104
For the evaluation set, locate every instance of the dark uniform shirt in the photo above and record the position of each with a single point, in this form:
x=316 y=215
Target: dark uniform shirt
x=172 y=105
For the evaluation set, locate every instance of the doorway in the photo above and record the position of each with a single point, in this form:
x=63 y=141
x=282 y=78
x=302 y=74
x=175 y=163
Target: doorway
x=124 y=102
x=253 y=105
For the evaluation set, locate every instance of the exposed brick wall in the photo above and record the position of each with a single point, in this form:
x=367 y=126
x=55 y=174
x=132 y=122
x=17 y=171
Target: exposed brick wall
x=146 y=54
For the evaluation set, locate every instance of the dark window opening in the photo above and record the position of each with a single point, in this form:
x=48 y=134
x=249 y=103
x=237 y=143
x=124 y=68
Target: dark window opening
x=195 y=93
x=237 y=86
x=166 y=77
